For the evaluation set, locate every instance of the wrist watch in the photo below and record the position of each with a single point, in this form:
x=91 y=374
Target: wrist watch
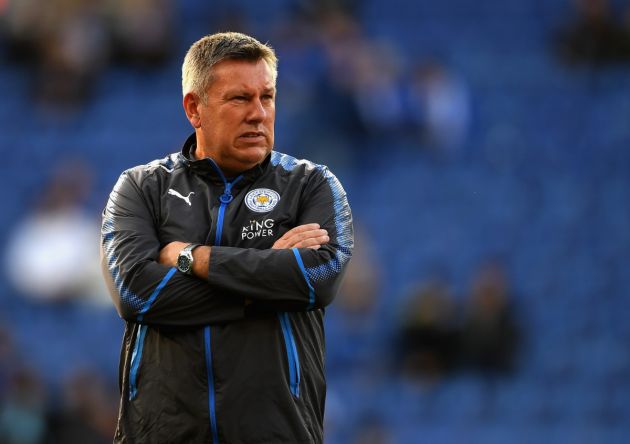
x=185 y=259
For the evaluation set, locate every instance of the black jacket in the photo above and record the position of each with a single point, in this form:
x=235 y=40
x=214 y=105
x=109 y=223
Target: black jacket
x=198 y=364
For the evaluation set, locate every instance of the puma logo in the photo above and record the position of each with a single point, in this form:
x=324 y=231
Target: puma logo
x=186 y=199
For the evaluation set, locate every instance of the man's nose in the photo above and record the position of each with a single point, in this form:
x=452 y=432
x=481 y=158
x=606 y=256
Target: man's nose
x=257 y=111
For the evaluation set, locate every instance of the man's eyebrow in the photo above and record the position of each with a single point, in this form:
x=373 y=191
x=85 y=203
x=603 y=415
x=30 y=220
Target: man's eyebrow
x=235 y=92
x=241 y=91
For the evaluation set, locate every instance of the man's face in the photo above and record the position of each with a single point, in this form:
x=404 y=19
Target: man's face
x=237 y=120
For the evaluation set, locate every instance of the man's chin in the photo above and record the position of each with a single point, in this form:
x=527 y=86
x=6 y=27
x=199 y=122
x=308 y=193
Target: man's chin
x=253 y=154
x=246 y=158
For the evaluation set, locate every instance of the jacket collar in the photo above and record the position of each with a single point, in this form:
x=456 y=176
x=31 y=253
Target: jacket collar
x=208 y=168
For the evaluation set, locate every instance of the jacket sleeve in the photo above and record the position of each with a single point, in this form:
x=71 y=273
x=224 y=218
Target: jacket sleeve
x=293 y=279
x=143 y=290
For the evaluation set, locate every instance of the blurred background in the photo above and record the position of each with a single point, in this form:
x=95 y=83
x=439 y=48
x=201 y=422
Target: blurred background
x=485 y=149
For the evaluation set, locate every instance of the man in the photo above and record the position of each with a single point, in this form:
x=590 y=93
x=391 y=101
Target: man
x=221 y=259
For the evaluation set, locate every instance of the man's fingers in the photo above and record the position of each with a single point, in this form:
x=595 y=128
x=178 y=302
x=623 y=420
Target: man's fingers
x=303 y=236
x=311 y=241
x=299 y=229
x=299 y=239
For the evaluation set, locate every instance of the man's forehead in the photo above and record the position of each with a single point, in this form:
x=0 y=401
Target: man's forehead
x=243 y=74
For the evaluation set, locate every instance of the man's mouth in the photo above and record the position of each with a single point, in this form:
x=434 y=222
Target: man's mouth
x=252 y=135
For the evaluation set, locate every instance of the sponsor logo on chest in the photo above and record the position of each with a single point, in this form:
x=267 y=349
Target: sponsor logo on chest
x=257 y=228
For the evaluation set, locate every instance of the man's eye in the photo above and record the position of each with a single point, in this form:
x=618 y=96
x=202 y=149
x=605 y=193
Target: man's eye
x=239 y=98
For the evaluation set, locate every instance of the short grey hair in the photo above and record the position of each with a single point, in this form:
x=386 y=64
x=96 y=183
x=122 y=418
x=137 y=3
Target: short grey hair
x=212 y=49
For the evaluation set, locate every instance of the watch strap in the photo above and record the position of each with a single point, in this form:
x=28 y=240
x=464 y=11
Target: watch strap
x=189 y=248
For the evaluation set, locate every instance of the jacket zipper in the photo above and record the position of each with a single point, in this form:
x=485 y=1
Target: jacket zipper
x=136 y=357
x=292 y=355
x=211 y=403
x=225 y=199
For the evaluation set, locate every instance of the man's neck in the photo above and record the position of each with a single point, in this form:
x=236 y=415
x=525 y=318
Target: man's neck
x=197 y=154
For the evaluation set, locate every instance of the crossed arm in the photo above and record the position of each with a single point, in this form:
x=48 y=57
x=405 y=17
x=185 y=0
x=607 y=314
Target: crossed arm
x=303 y=236
x=195 y=302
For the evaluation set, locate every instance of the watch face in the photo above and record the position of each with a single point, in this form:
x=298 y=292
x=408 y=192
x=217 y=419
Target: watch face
x=183 y=264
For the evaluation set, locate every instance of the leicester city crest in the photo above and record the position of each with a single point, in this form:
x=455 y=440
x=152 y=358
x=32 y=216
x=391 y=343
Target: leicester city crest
x=262 y=200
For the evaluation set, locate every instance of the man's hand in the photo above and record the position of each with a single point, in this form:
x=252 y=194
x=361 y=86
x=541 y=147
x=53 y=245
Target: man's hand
x=169 y=254
x=303 y=236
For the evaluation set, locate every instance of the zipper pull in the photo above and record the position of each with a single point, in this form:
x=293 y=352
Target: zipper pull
x=226 y=197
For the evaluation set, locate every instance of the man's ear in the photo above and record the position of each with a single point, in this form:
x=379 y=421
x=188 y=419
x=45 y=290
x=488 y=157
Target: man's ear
x=191 y=107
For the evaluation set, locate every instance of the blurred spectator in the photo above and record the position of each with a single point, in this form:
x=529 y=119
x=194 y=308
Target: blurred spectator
x=377 y=89
x=66 y=42
x=439 y=107
x=23 y=29
x=70 y=42
x=428 y=334
x=490 y=336
x=341 y=39
x=53 y=254
x=88 y=412
x=23 y=413
x=594 y=35
x=72 y=51
x=142 y=31
x=317 y=50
